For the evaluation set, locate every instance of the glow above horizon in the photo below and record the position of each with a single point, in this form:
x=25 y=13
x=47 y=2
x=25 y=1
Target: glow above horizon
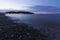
x=9 y=4
x=24 y=4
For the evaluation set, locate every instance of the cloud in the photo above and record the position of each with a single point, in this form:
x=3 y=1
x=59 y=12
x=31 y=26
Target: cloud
x=45 y=8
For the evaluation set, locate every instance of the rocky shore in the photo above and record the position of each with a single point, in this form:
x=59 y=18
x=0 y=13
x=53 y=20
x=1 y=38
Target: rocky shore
x=17 y=31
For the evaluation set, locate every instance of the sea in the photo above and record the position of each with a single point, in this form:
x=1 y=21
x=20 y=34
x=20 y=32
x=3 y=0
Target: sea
x=47 y=24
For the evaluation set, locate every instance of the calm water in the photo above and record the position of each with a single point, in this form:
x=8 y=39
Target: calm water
x=37 y=21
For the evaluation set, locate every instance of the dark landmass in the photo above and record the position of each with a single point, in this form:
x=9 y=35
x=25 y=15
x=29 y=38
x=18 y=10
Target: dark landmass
x=19 y=12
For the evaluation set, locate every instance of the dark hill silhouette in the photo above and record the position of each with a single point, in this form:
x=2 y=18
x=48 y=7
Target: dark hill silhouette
x=19 y=12
x=17 y=31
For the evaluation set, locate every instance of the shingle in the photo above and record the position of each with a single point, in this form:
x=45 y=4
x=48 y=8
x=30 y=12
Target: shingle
x=17 y=31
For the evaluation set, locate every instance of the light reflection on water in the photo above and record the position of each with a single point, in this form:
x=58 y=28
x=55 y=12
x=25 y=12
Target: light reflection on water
x=31 y=19
x=34 y=19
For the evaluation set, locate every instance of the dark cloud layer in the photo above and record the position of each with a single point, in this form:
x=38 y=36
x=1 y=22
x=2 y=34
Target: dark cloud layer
x=45 y=8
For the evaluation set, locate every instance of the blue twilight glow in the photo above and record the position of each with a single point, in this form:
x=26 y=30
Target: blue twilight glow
x=24 y=4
